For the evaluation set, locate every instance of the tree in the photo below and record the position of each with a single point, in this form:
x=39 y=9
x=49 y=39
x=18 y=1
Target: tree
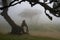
x=17 y=29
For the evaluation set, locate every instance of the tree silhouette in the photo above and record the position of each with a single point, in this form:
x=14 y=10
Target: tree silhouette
x=17 y=29
x=46 y=7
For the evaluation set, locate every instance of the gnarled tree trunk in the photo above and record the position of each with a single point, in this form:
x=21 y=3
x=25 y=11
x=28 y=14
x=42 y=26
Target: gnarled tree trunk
x=15 y=28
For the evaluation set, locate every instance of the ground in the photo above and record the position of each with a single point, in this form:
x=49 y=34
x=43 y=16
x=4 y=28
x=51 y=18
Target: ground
x=46 y=34
x=25 y=37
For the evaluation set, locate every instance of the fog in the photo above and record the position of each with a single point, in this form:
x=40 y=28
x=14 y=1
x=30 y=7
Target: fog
x=34 y=16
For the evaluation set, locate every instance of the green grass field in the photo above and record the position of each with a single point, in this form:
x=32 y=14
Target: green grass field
x=24 y=37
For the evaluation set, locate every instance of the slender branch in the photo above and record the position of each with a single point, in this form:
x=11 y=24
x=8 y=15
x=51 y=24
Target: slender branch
x=48 y=15
x=1 y=8
x=52 y=10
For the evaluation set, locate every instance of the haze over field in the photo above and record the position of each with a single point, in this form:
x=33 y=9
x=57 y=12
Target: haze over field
x=34 y=16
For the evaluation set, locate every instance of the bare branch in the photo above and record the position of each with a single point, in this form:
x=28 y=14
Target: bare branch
x=1 y=8
x=52 y=10
x=48 y=15
x=46 y=7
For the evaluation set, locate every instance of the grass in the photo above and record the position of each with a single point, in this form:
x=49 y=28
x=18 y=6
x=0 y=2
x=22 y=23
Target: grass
x=24 y=37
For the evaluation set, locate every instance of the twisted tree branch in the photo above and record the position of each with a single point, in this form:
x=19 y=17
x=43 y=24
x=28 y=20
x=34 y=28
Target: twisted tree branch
x=46 y=7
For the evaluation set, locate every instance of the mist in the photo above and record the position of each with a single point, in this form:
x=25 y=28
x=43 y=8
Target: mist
x=34 y=16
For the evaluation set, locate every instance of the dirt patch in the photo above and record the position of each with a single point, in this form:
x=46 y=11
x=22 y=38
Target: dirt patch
x=46 y=34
